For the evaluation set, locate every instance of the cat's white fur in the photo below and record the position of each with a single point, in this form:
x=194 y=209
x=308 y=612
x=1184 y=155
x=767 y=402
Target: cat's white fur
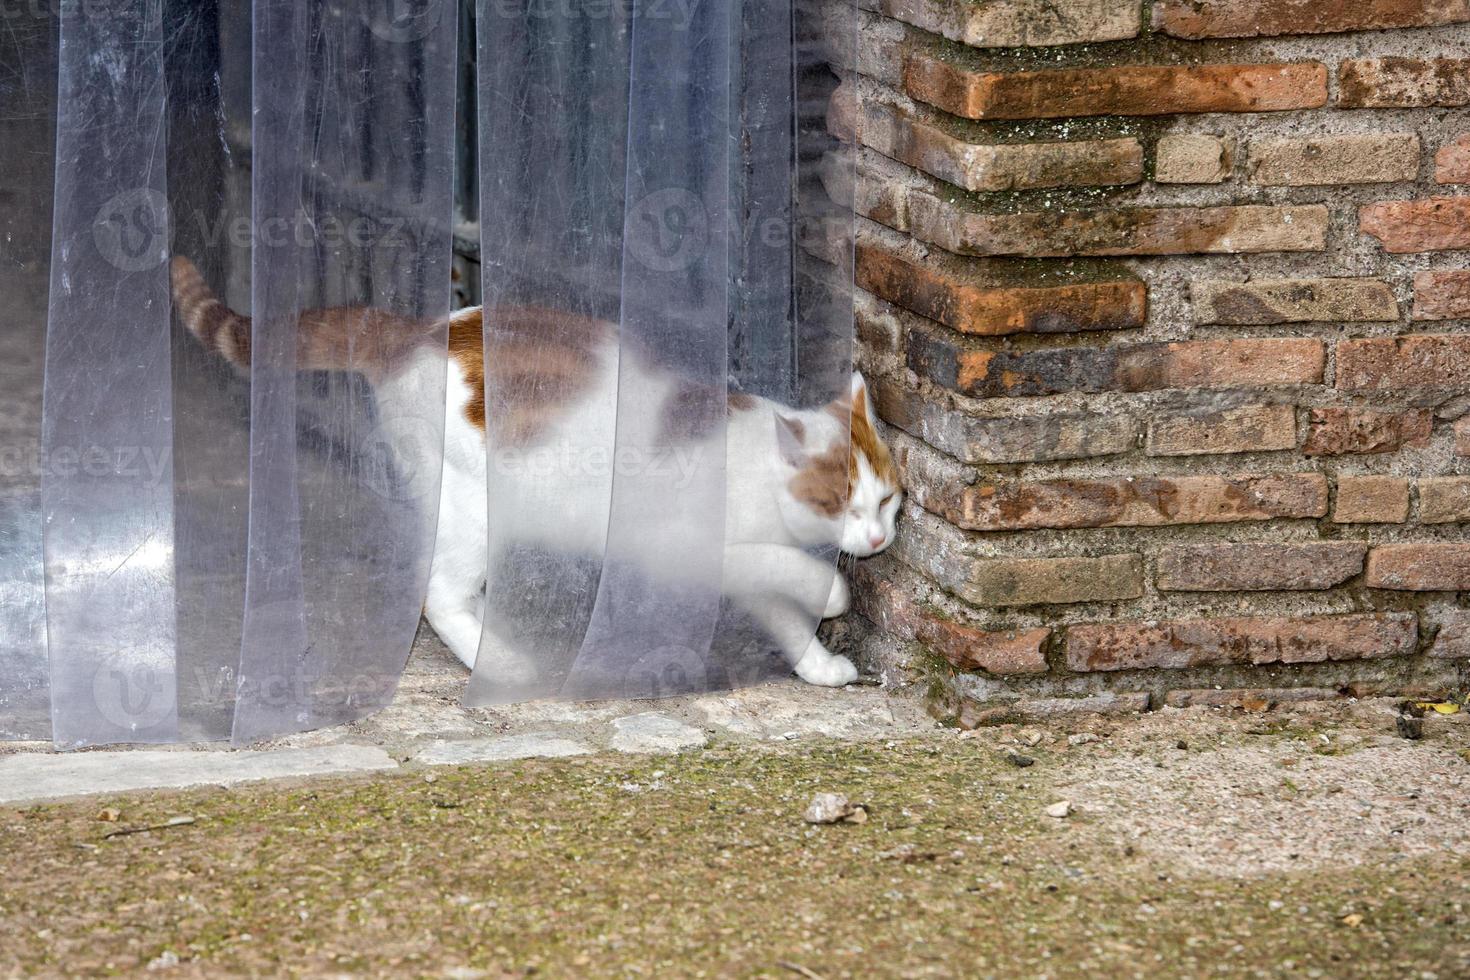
x=767 y=568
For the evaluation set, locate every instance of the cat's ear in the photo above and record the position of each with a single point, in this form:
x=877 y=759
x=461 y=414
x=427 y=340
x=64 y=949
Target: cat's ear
x=791 y=440
x=862 y=402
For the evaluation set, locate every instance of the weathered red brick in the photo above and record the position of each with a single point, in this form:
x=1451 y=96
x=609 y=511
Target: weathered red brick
x=1144 y=501
x=1243 y=640
x=1417 y=361
x=1425 y=566
x=1426 y=225
x=883 y=601
x=1444 y=499
x=1261 y=302
x=1403 y=83
x=1338 y=431
x=1045 y=581
x=1020 y=23
x=1122 y=231
x=1250 y=429
x=1452 y=162
x=980 y=167
x=1132 y=90
x=1453 y=638
x=1009 y=438
x=1371 y=500
x=1442 y=295
x=1253 y=567
x=1191 y=158
x=1196 y=19
x=1354 y=158
x=947 y=361
x=978 y=308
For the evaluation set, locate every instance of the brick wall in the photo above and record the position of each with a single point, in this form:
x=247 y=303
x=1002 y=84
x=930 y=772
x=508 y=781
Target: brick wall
x=1168 y=309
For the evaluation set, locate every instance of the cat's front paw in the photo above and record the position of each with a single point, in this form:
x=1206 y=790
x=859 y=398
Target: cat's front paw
x=825 y=669
x=839 y=599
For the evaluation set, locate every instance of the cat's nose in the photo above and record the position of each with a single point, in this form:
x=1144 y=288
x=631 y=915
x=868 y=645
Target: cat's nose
x=876 y=540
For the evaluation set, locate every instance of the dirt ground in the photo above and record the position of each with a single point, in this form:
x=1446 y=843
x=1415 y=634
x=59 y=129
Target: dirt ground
x=1315 y=841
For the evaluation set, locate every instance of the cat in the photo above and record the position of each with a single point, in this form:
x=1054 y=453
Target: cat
x=796 y=479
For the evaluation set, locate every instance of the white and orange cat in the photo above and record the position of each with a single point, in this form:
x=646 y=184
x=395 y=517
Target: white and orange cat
x=796 y=478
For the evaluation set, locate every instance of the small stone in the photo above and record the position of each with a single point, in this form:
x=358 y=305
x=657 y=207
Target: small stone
x=1081 y=738
x=830 y=808
x=1060 y=810
x=1020 y=761
x=166 y=960
x=1030 y=738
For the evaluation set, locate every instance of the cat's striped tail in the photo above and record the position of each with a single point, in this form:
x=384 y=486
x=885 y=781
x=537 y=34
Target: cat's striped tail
x=214 y=324
x=371 y=341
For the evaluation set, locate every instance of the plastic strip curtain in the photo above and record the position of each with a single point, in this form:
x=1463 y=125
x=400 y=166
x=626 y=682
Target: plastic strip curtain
x=649 y=171
x=225 y=535
x=218 y=501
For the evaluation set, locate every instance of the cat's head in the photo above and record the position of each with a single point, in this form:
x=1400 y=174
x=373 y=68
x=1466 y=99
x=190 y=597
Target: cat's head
x=847 y=482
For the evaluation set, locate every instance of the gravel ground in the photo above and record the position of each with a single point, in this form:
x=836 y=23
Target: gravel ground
x=1199 y=842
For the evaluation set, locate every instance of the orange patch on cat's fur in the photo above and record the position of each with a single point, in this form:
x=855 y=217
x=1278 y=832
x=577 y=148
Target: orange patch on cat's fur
x=540 y=362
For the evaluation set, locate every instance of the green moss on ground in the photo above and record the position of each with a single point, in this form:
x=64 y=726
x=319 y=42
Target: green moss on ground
x=695 y=865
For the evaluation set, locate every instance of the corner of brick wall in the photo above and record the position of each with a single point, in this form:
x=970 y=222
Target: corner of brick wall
x=1168 y=310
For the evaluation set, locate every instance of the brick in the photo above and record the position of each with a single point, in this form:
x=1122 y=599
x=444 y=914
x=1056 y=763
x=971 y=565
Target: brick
x=1259 y=567
x=1130 y=90
x=1462 y=436
x=1241 y=640
x=1144 y=501
x=1020 y=23
x=1120 y=231
x=1371 y=500
x=1191 y=158
x=999 y=167
x=977 y=714
x=978 y=308
x=1254 y=428
x=1008 y=439
x=1453 y=639
x=1403 y=83
x=1430 y=566
x=875 y=325
x=885 y=603
x=1124 y=367
x=1444 y=499
x=1442 y=295
x=1045 y=581
x=1452 y=162
x=1195 y=19
x=1360 y=158
x=1339 y=431
x=1262 y=302
x=1249 y=698
x=1426 y=225
x=1414 y=362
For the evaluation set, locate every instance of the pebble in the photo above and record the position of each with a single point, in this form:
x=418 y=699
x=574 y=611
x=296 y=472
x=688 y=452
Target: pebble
x=1060 y=809
x=828 y=808
x=1020 y=761
x=1081 y=738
